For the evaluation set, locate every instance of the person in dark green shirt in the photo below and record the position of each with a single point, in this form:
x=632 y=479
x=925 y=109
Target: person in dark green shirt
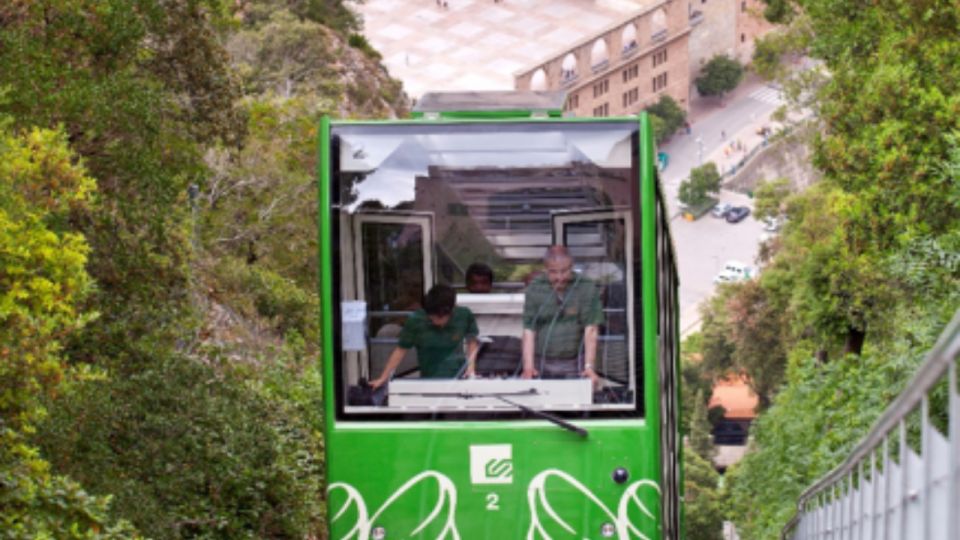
x=561 y=315
x=438 y=332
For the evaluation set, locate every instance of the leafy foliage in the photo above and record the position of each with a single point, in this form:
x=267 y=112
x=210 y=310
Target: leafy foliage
x=701 y=438
x=703 y=499
x=36 y=504
x=770 y=198
x=42 y=274
x=719 y=76
x=42 y=282
x=136 y=85
x=188 y=450
x=668 y=117
x=815 y=421
x=703 y=181
x=139 y=92
x=867 y=263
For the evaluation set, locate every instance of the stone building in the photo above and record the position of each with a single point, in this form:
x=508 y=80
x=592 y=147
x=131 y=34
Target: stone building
x=622 y=69
x=657 y=51
x=727 y=27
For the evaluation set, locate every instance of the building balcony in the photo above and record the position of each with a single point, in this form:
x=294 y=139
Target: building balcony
x=657 y=37
x=696 y=17
x=600 y=66
x=568 y=78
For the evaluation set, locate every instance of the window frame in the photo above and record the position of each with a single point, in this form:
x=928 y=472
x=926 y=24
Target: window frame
x=339 y=388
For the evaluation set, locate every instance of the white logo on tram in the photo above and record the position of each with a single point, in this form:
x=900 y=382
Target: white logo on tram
x=491 y=464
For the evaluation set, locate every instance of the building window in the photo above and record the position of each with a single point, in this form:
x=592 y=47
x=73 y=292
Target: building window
x=659 y=57
x=631 y=73
x=743 y=6
x=630 y=97
x=660 y=82
x=602 y=110
x=601 y=88
x=573 y=101
x=743 y=38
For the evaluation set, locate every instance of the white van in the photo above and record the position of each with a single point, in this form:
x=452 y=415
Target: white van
x=735 y=271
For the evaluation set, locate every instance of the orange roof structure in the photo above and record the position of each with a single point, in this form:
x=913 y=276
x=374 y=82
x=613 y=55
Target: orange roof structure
x=734 y=395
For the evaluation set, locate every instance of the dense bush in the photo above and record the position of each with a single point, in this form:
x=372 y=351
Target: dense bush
x=36 y=504
x=189 y=450
x=703 y=498
x=719 y=76
x=42 y=283
x=260 y=292
x=703 y=181
x=667 y=117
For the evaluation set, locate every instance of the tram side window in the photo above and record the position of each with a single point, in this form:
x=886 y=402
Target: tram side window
x=392 y=263
x=548 y=220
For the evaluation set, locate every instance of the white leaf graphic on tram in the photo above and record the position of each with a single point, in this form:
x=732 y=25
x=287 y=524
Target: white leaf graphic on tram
x=543 y=516
x=446 y=498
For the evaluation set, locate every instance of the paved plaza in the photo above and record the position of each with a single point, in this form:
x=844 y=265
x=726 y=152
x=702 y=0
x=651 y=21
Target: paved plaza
x=476 y=45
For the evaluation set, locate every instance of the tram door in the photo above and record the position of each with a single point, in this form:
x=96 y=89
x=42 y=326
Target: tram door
x=393 y=262
x=601 y=243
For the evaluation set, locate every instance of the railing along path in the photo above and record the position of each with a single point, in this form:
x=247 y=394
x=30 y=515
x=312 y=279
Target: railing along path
x=897 y=484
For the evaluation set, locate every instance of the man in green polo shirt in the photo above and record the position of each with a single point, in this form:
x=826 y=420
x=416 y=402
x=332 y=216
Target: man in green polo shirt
x=561 y=319
x=438 y=332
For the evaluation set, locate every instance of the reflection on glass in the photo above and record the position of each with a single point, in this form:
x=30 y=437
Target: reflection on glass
x=497 y=194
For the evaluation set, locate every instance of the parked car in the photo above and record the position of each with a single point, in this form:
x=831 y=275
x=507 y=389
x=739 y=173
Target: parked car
x=735 y=271
x=772 y=224
x=721 y=209
x=737 y=214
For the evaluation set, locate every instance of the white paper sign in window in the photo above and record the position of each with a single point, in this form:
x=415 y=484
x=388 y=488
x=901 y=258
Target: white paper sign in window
x=354 y=317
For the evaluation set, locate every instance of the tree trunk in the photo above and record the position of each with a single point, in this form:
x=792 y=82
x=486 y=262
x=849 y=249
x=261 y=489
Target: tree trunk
x=854 y=343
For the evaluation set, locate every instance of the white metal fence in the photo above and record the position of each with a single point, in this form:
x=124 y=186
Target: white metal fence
x=902 y=482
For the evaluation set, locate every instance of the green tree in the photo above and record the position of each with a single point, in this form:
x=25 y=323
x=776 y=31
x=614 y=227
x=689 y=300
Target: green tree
x=192 y=451
x=672 y=116
x=43 y=278
x=869 y=263
x=138 y=86
x=719 y=76
x=704 y=508
x=766 y=56
x=757 y=333
x=43 y=281
x=716 y=345
x=770 y=198
x=703 y=181
x=701 y=436
x=779 y=11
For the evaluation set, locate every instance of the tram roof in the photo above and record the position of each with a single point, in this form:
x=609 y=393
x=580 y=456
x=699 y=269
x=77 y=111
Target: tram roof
x=496 y=104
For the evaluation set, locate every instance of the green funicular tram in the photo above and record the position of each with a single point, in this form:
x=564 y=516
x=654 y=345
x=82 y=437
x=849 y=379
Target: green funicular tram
x=471 y=435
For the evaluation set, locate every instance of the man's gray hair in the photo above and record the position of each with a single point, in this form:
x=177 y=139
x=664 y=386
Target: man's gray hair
x=556 y=253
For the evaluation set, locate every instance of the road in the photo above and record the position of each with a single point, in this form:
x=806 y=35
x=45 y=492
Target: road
x=703 y=246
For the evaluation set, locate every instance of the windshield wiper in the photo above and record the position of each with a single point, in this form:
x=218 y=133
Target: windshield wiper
x=546 y=416
x=502 y=396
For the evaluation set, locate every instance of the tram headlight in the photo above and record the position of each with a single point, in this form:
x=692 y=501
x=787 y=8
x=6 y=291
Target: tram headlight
x=608 y=530
x=378 y=533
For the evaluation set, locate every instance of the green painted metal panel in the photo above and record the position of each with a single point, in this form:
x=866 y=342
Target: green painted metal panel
x=324 y=166
x=495 y=479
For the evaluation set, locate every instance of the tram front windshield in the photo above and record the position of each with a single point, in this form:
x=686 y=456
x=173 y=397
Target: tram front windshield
x=484 y=268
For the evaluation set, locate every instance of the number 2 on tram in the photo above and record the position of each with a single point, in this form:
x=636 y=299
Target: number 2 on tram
x=407 y=205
